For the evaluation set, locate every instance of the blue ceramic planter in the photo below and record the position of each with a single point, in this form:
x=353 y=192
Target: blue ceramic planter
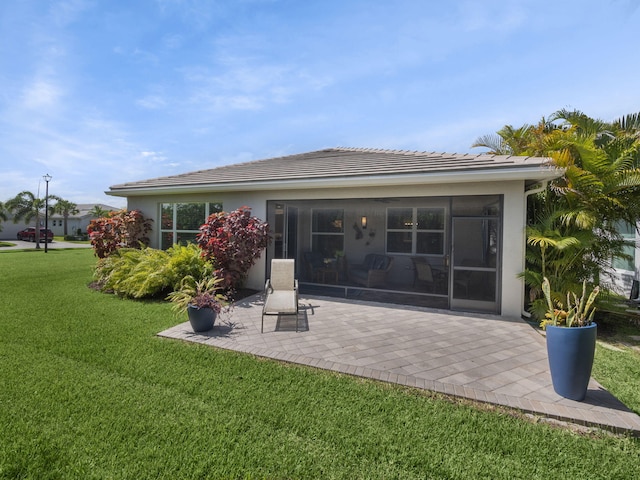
x=201 y=319
x=571 y=352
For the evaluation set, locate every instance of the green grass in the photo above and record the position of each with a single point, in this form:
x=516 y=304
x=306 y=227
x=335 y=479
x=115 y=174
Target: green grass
x=88 y=391
x=60 y=238
x=617 y=363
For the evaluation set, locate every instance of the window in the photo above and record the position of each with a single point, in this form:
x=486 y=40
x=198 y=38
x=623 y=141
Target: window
x=180 y=222
x=327 y=231
x=628 y=232
x=415 y=230
x=430 y=231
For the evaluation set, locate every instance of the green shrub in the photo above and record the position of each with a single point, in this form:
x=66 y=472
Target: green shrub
x=149 y=272
x=185 y=260
x=75 y=238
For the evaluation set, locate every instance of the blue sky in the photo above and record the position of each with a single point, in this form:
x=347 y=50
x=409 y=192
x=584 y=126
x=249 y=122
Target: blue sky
x=100 y=92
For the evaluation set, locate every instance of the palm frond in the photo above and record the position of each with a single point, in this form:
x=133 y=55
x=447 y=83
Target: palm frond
x=494 y=143
x=629 y=123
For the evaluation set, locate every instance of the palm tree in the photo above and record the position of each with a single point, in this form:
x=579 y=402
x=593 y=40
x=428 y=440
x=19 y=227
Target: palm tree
x=574 y=223
x=98 y=212
x=506 y=141
x=26 y=206
x=629 y=123
x=526 y=140
x=602 y=170
x=65 y=208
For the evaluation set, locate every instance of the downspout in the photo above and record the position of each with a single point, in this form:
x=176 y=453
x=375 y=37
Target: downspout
x=527 y=193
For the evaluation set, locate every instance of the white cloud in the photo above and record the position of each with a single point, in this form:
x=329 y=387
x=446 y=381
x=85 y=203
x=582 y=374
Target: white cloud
x=227 y=102
x=64 y=12
x=145 y=56
x=153 y=156
x=41 y=94
x=173 y=41
x=488 y=17
x=251 y=86
x=152 y=102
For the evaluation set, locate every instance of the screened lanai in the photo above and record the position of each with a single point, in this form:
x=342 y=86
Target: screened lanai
x=441 y=252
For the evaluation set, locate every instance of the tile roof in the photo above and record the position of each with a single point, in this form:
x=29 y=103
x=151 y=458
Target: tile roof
x=84 y=209
x=338 y=162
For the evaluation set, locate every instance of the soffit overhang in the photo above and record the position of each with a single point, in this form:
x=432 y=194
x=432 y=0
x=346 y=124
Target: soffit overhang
x=529 y=175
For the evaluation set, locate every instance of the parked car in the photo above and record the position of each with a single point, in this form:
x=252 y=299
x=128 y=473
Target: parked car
x=29 y=234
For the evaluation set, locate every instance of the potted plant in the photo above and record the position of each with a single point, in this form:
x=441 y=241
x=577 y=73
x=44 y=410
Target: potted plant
x=571 y=340
x=201 y=299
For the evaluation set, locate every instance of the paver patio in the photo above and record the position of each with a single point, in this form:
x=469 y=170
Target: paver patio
x=479 y=357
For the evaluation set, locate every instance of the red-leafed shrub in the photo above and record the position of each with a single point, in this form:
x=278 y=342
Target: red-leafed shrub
x=118 y=229
x=233 y=242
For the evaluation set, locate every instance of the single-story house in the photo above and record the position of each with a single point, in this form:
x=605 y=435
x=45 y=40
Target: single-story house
x=432 y=229
x=78 y=221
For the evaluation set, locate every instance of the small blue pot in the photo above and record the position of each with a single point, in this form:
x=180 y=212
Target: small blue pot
x=201 y=319
x=571 y=351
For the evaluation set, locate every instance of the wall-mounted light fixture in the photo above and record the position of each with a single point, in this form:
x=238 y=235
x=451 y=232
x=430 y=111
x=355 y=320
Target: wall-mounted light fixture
x=363 y=222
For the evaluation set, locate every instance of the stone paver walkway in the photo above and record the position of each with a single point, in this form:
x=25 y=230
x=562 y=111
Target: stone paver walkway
x=479 y=357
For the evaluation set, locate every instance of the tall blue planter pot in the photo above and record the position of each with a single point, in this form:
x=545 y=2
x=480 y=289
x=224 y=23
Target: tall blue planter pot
x=571 y=352
x=201 y=319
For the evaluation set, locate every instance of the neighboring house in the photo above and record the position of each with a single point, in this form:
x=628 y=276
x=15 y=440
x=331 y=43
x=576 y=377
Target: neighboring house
x=439 y=230
x=56 y=222
x=79 y=221
x=10 y=230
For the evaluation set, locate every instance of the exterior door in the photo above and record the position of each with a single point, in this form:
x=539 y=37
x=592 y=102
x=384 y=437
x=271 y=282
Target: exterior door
x=475 y=255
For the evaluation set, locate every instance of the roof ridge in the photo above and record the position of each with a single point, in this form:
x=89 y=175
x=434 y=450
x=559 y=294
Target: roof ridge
x=424 y=152
x=404 y=152
x=378 y=150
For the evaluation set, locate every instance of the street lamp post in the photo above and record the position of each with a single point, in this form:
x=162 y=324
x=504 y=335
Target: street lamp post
x=47 y=179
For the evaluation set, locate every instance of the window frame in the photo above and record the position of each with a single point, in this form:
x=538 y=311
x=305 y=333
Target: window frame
x=628 y=232
x=319 y=233
x=413 y=228
x=173 y=231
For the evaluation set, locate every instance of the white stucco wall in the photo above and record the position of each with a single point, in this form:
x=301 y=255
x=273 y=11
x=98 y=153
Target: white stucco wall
x=513 y=247
x=10 y=229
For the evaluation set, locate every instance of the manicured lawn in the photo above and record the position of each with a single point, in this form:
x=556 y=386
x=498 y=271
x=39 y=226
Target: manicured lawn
x=88 y=391
x=60 y=238
x=617 y=368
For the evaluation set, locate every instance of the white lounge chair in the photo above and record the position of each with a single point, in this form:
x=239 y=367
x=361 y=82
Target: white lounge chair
x=281 y=291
